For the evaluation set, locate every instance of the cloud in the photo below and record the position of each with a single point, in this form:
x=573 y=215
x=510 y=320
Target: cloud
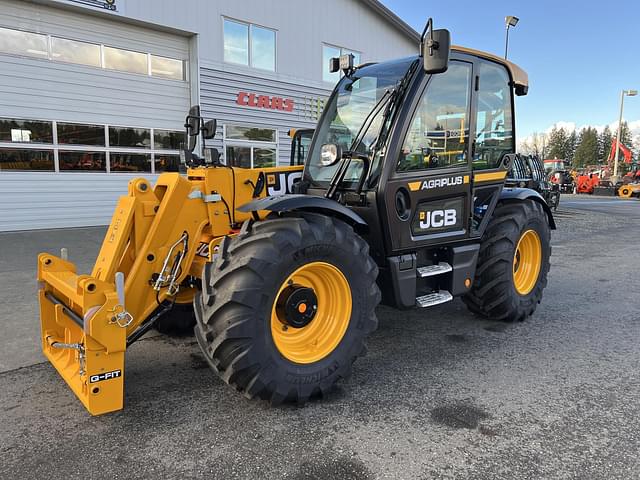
x=568 y=126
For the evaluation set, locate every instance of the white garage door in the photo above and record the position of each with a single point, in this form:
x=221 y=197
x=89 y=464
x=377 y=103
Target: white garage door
x=86 y=104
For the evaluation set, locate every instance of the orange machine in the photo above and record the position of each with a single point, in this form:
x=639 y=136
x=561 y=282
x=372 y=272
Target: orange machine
x=586 y=182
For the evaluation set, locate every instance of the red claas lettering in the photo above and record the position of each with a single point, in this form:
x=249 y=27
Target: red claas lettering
x=276 y=103
x=242 y=98
x=264 y=101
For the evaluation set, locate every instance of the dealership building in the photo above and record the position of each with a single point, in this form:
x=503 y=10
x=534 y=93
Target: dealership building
x=94 y=92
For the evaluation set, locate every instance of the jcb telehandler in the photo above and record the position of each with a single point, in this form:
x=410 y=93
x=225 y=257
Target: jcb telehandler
x=401 y=198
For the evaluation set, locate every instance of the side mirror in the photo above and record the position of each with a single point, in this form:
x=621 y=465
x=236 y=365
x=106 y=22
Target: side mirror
x=435 y=46
x=192 y=126
x=330 y=154
x=209 y=129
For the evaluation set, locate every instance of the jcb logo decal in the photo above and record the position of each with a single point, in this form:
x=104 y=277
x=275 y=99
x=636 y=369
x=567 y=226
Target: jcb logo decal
x=279 y=183
x=438 y=218
x=438 y=183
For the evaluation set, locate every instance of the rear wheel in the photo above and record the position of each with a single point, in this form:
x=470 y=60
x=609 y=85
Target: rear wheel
x=286 y=306
x=513 y=263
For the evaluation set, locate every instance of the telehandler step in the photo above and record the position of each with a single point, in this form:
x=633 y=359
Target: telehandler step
x=435 y=298
x=431 y=270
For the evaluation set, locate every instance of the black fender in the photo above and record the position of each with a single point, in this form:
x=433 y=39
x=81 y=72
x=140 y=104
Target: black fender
x=518 y=193
x=307 y=203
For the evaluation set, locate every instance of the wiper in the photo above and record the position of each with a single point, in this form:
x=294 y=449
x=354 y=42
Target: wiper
x=368 y=120
x=398 y=94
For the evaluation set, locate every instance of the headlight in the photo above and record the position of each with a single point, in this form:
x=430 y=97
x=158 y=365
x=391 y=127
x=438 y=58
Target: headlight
x=329 y=154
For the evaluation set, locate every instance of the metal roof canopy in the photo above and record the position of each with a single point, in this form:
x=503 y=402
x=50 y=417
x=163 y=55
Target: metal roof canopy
x=519 y=76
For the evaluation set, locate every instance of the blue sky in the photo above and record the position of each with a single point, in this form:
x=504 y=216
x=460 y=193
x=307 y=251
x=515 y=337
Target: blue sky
x=578 y=54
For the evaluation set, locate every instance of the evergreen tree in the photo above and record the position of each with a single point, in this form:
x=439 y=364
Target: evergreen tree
x=604 y=144
x=570 y=147
x=625 y=135
x=557 y=143
x=587 y=151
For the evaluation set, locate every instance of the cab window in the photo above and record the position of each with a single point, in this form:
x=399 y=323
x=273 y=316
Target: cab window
x=438 y=135
x=494 y=121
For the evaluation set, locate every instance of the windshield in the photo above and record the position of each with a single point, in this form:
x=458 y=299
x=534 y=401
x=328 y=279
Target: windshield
x=347 y=116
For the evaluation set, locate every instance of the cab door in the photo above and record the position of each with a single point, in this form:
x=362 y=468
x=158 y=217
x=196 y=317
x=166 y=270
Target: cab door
x=428 y=194
x=494 y=138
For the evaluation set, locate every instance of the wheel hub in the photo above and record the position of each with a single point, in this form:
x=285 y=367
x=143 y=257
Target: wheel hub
x=311 y=312
x=297 y=305
x=527 y=261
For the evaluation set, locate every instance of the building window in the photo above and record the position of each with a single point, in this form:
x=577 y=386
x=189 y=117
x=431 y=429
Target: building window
x=264 y=157
x=329 y=52
x=79 y=134
x=71 y=51
x=263 y=48
x=17 y=42
x=166 y=162
x=129 y=137
x=26 y=159
x=167 y=68
x=250 y=45
x=65 y=147
x=167 y=139
x=250 y=147
x=82 y=161
x=234 y=132
x=58 y=49
x=125 y=60
x=130 y=162
x=25 y=131
x=236 y=42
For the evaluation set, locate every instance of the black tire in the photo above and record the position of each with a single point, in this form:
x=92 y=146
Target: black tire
x=493 y=294
x=239 y=289
x=177 y=322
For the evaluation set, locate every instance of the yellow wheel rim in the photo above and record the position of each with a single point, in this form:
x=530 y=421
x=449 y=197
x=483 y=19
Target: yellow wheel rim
x=625 y=192
x=527 y=261
x=323 y=333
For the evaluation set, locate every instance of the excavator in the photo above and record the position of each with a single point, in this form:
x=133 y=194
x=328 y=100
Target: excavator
x=279 y=270
x=615 y=144
x=631 y=181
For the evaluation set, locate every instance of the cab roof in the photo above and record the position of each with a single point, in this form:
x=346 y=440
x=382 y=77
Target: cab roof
x=519 y=76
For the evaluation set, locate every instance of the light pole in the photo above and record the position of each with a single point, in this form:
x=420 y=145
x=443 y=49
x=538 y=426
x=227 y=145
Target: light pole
x=510 y=21
x=628 y=93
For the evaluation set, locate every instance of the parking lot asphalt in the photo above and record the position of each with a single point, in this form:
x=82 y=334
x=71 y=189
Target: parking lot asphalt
x=441 y=394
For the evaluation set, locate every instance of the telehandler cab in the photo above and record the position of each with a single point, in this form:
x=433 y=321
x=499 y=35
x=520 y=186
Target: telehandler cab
x=401 y=198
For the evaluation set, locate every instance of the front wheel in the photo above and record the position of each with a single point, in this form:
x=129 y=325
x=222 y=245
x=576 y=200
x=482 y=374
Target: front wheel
x=513 y=263
x=286 y=306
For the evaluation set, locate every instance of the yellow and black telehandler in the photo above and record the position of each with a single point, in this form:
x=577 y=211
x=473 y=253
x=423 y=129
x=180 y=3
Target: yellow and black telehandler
x=279 y=270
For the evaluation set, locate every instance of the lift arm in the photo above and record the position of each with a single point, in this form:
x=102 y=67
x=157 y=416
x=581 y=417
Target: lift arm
x=158 y=239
